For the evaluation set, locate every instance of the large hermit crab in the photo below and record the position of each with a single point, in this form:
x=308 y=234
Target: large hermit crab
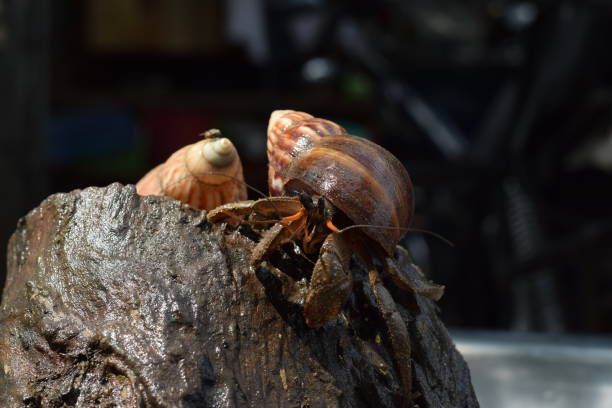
x=339 y=195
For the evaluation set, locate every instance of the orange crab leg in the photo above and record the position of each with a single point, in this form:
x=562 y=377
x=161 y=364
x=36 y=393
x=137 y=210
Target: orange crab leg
x=331 y=226
x=295 y=216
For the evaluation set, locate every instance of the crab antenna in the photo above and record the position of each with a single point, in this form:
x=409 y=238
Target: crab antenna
x=422 y=231
x=218 y=173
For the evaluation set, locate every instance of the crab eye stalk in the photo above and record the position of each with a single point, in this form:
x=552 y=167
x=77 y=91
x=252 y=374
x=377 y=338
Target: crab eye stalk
x=306 y=200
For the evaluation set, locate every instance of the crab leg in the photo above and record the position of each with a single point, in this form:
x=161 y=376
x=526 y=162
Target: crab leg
x=270 y=240
x=230 y=210
x=331 y=283
x=410 y=277
x=295 y=216
x=398 y=333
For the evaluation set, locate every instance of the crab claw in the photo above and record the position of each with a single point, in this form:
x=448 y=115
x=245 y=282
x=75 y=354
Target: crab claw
x=331 y=282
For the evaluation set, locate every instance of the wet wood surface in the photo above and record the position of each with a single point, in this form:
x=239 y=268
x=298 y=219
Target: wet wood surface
x=112 y=298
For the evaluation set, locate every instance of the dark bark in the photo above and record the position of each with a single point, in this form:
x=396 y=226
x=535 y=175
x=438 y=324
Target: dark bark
x=112 y=298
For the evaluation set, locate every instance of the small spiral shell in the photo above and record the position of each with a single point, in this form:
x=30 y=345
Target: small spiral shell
x=192 y=174
x=289 y=133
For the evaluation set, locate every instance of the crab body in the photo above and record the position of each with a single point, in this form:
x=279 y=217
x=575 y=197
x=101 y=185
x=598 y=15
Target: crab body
x=323 y=181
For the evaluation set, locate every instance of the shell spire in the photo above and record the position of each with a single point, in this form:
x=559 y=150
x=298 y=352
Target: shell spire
x=204 y=175
x=289 y=134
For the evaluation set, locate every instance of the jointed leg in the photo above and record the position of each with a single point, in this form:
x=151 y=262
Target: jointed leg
x=409 y=276
x=331 y=283
x=276 y=236
x=296 y=216
x=232 y=219
x=398 y=334
x=270 y=240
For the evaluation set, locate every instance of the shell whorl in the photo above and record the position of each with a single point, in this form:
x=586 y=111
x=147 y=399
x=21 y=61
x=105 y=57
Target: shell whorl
x=204 y=175
x=360 y=178
x=213 y=155
x=290 y=133
x=219 y=152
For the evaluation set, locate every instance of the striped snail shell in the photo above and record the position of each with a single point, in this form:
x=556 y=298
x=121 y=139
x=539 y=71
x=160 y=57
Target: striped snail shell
x=197 y=174
x=363 y=180
x=290 y=133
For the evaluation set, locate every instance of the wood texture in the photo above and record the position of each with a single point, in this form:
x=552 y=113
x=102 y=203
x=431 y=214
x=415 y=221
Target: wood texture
x=113 y=298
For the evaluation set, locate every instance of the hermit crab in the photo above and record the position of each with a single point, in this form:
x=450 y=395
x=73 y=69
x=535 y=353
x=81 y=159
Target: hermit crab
x=204 y=175
x=335 y=195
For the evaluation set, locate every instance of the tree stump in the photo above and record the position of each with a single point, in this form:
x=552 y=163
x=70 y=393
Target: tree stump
x=113 y=299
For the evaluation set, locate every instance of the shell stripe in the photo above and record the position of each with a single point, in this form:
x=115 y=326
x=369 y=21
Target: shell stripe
x=379 y=192
x=175 y=178
x=291 y=135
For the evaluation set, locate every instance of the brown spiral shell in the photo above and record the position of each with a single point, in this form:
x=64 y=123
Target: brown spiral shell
x=363 y=180
x=186 y=175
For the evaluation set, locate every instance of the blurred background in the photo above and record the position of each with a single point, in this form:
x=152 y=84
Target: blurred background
x=501 y=111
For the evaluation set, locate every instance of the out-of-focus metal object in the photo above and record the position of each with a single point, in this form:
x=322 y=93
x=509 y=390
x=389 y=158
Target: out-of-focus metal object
x=520 y=15
x=518 y=370
x=318 y=69
x=442 y=132
x=536 y=304
x=595 y=151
